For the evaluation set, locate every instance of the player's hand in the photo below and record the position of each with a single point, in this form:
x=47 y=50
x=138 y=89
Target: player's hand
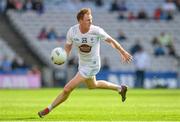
x=126 y=57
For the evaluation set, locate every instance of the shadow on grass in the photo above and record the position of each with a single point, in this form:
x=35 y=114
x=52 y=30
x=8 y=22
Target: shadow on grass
x=19 y=118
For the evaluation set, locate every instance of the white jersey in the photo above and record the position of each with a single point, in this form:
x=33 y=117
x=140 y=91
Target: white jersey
x=88 y=46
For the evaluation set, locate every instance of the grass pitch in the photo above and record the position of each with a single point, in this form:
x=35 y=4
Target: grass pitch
x=91 y=105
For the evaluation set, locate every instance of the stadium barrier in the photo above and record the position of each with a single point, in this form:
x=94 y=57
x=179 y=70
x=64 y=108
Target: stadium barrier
x=20 y=79
x=152 y=79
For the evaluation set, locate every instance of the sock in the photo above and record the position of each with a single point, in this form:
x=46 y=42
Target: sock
x=50 y=107
x=119 y=89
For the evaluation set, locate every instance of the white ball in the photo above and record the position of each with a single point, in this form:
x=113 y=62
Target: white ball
x=58 y=56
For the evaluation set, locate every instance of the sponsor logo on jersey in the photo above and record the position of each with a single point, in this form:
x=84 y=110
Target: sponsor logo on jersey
x=85 y=48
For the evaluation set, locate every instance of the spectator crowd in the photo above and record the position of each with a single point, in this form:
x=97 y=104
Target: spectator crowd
x=50 y=35
x=22 y=5
x=166 y=11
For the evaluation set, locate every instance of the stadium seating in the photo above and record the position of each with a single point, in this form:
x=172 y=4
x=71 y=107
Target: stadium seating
x=30 y=23
x=5 y=50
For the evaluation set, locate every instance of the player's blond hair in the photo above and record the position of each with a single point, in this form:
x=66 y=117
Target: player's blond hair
x=82 y=12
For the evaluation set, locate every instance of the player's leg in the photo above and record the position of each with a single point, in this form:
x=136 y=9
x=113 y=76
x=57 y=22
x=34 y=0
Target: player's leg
x=68 y=88
x=92 y=83
x=64 y=94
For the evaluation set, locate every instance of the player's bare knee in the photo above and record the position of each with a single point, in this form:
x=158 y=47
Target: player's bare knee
x=67 y=90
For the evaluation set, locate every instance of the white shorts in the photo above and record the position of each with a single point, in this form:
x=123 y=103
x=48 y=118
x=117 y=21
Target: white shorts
x=88 y=72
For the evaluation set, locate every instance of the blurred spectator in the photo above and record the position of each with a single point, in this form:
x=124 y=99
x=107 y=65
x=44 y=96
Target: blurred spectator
x=171 y=51
x=28 y=5
x=135 y=47
x=34 y=70
x=121 y=15
x=142 y=15
x=169 y=5
x=164 y=45
x=169 y=9
x=1 y=58
x=18 y=63
x=99 y=3
x=6 y=64
x=158 y=13
x=122 y=6
x=141 y=62
x=43 y=34
x=169 y=16
x=131 y=16
x=114 y=6
x=52 y=35
x=121 y=36
x=10 y=5
x=2 y=6
x=14 y=4
x=165 y=39
x=177 y=2
x=18 y=4
x=158 y=48
x=155 y=41
x=38 y=6
x=163 y=16
x=105 y=64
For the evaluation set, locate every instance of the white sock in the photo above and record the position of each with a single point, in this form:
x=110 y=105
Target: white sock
x=119 y=89
x=50 y=107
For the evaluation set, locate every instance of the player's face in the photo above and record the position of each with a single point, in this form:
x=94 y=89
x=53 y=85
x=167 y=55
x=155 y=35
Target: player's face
x=86 y=21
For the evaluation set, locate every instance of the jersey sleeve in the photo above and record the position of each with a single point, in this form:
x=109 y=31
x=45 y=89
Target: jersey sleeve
x=103 y=35
x=69 y=37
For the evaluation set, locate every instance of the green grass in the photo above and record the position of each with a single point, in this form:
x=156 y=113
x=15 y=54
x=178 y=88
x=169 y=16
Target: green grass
x=91 y=105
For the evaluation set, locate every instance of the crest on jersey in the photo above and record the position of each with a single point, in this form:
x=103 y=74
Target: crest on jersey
x=84 y=40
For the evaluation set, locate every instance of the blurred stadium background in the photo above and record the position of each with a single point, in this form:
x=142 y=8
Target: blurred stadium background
x=149 y=29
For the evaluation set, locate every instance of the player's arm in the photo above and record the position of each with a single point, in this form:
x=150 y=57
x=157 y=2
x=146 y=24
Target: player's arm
x=68 y=48
x=124 y=54
x=68 y=44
